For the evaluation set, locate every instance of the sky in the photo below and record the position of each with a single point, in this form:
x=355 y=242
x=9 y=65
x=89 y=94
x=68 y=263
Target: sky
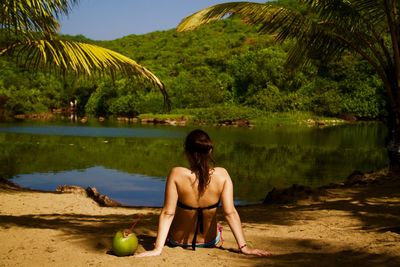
x=112 y=19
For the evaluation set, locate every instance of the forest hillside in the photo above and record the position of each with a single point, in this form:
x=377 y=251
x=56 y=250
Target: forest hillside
x=225 y=69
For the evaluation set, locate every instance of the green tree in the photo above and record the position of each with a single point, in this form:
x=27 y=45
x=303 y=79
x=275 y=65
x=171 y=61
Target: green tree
x=324 y=29
x=28 y=29
x=200 y=87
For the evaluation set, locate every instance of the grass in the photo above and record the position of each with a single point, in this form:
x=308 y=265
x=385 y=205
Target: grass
x=296 y=118
x=256 y=117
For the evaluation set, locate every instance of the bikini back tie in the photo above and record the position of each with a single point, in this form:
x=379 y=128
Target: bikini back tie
x=199 y=219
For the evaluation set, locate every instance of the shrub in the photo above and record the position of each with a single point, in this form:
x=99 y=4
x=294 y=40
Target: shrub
x=223 y=113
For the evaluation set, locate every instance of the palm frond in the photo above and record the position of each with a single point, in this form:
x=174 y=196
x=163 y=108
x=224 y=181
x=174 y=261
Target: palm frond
x=37 y=16
x=341 y=24
x=218 y=12
x=80 y=58
x=283 y=22
x=352 y=13
x=316 y=27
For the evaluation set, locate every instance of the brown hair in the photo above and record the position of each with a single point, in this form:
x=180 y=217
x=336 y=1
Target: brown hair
x=198 y=148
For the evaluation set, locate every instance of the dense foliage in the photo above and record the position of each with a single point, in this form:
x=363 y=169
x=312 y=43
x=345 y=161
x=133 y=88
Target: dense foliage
x=235 y=68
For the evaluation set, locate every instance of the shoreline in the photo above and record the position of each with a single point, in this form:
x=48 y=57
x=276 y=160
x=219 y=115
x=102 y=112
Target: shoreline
x=347 y=226
x=187 y=119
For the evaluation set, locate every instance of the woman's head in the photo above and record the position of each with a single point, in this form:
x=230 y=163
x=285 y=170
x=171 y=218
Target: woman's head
x=198 y=149
x=198 y=141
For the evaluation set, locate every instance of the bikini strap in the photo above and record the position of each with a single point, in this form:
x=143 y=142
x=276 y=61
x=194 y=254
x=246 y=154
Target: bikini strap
x=199 y=219
x=199 y=222
x=184 y=206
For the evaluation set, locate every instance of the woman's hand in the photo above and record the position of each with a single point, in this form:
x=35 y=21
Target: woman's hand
x=150 y=253
x=254 y=251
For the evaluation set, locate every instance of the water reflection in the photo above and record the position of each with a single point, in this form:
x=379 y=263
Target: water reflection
x=91 y=131
x=258 y=159
x=130 y=189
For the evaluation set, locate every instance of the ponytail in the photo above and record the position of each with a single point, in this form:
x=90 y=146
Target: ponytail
x=198 y=148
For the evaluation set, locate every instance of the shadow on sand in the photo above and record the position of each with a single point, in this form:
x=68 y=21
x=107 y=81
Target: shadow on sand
x=377 y=208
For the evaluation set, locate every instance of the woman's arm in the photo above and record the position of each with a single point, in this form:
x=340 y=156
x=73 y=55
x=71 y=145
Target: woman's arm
x=233 y=219
x=166 y=216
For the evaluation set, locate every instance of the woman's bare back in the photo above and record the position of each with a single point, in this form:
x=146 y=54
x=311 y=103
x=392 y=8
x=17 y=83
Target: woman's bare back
x=183 y=225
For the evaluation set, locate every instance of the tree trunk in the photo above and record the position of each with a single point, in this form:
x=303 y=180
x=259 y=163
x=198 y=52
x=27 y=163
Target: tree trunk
x=393 y=149
x=393 y=141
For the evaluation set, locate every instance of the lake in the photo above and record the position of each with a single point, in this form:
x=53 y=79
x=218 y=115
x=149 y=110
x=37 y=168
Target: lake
x=129 y=162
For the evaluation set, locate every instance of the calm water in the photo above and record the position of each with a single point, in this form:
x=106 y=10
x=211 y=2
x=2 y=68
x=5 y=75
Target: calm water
x=129 y=162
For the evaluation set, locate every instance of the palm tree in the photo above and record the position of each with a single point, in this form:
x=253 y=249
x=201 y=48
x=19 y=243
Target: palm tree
x=324 y=29
x=29 y=30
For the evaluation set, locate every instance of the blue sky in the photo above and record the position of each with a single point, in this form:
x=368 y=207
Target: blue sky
x=111 y=19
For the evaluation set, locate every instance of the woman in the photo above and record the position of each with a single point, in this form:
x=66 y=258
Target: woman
x=188 y=218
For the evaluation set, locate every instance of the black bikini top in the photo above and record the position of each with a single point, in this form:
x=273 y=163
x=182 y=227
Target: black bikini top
x=199 y=220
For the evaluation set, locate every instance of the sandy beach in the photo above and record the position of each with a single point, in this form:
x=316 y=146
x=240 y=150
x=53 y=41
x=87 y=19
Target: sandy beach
x=352 y=226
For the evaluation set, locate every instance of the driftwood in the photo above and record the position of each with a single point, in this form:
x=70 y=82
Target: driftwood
x=103 y=200
x=71 y=189
x=91 y=192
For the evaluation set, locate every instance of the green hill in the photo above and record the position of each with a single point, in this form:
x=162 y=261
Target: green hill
x=225 y=68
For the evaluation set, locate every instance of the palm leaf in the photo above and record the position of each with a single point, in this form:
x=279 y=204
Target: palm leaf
x=25 y=17
x=271 y=18
x=326 y=27
x=80 y=58
x=220 y=11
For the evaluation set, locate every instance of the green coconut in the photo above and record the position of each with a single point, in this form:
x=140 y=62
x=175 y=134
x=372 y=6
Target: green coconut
x=125 y=243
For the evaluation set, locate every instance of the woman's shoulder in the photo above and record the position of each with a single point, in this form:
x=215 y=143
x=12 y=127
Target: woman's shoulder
x=221 y=172
x=179 y=170
x=176 y=173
